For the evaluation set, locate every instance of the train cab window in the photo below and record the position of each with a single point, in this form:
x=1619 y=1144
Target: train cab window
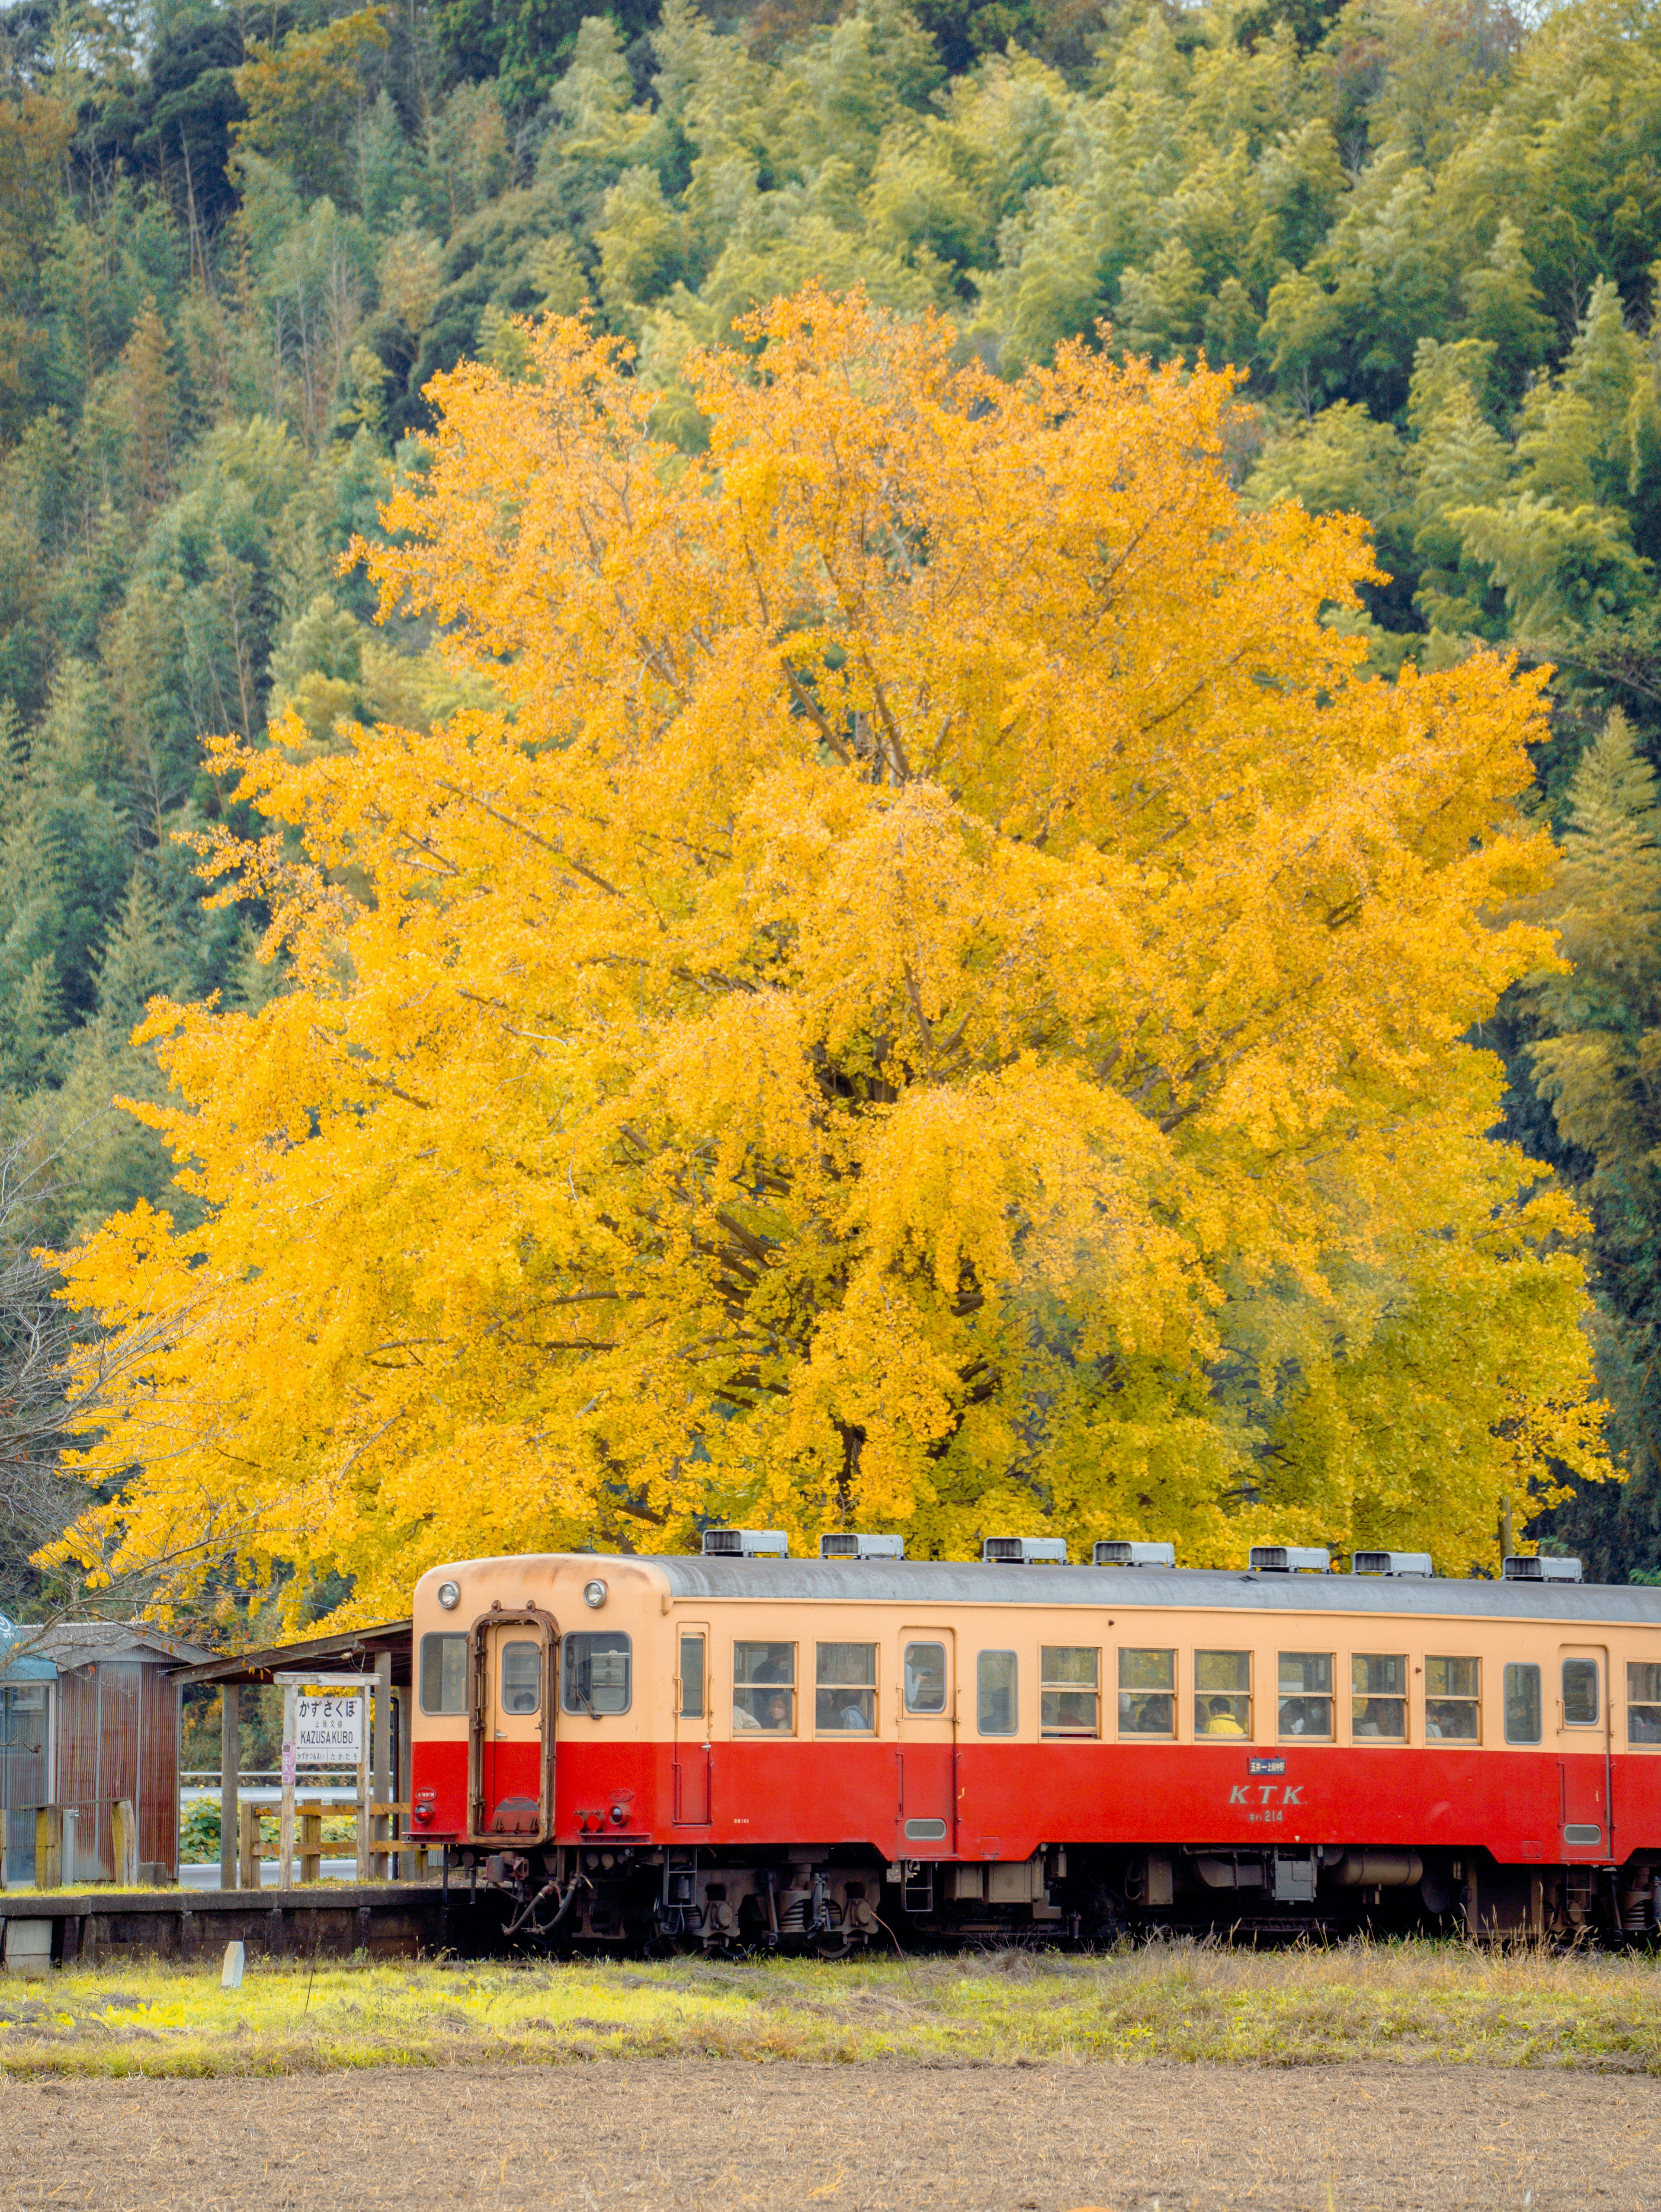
x=1522 y=1704
x=1222 y=1693
x=1305 y=1685
x=443 y=1673
x=1069 y=1696
x=691 y=1678
x=1452 y=1709
x=996 y=1705
x=925 y=1678
x=764 y=1688
x=1378 y=1695
x=1147 y=1693
x=845 y=1689
x=521 y=1677
x=1580 y=1702
x=1643 y=1701
x=597 y=1666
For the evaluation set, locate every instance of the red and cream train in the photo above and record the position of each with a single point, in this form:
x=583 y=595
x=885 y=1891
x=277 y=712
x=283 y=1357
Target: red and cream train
x=742 y=1748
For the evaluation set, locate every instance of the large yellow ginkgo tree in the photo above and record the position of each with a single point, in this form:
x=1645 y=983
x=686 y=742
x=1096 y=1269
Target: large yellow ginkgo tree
x=940 y=998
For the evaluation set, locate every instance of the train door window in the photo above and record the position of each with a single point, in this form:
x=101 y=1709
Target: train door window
x=1378 y=1695
x=691 y=1678
x=765 y=1688
x=1522 y=1704
x=925 y=1678
x=1147 y=1693
x=1580 y=1704
x=1306 y=1693
x=597 y=1664
x=521 y=1676
x=443 y=1673
x=996 y=1702
x=1069 y=1692
x=1222 y=1693
x=845 y=1689
x=1452 y=1708
x=1643 y=1701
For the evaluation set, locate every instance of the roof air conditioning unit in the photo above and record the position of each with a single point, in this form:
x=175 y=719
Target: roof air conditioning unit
x=1290 y=1559
x=853 y=1545
x=1025 y=1552
x=1392 y=1562
x=1542 y=1570
x=1115 y=1552
x=745 y=1544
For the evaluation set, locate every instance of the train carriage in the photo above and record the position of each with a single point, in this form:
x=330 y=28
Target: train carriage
x=752 y=1748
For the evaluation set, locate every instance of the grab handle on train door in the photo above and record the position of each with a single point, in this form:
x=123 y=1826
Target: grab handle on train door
x=899 y=1764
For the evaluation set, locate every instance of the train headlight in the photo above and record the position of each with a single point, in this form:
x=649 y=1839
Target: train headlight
x=593 y=1593
x=449 y=1595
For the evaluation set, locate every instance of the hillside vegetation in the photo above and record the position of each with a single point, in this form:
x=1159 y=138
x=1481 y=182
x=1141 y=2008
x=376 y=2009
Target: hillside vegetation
x=236 y=246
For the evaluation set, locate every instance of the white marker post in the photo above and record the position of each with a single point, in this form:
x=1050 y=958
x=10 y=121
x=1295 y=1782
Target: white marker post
x=322 y=1727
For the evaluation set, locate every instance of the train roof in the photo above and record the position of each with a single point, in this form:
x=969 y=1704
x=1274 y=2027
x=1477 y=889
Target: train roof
x=936 y=1583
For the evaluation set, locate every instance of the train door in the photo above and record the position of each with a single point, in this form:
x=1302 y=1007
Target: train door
x=926 y=1813
x=512 y=1723
x=1583 y=1762
x=693 y=1693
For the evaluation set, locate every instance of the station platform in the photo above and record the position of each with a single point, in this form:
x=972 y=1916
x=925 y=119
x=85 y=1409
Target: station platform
x=323 y=1920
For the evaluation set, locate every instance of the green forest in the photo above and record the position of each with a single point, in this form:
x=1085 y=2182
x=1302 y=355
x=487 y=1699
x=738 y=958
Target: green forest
x=235 y=243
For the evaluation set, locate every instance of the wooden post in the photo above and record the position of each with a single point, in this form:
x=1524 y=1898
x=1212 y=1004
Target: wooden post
x=123 y=1837
x=365 y=1796
x=311 y=1845
x=230 y=1760
x=49 y=1847
x=285 y=1840
x=248 y=1845
x=384 y=1781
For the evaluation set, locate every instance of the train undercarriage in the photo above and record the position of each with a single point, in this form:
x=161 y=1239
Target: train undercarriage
x=836 y=1901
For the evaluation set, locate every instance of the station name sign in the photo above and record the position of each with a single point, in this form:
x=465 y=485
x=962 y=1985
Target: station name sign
x=328 y=1730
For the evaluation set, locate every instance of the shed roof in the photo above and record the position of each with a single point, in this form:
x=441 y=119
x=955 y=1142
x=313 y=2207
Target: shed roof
x=350 y=1650
x=86 y=1643
x=32 y=1667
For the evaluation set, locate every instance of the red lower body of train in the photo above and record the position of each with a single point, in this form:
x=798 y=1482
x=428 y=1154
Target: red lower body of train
x=827 y=1845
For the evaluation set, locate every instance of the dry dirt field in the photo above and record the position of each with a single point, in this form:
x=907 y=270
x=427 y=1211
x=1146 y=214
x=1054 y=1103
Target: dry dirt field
x=702 y=2135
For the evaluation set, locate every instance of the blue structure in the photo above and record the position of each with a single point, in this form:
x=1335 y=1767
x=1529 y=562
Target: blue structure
x=27 y=1684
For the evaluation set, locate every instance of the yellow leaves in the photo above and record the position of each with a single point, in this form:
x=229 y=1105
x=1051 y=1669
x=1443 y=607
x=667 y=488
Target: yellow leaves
x=938 y=996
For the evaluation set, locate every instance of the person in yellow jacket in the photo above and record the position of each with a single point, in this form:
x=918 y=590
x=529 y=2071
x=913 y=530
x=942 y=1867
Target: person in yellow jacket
x=1219 y=1719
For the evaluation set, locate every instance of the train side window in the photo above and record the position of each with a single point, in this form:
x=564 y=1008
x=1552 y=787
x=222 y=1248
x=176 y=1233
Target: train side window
x=1147 y=1693
x=1580 y=1706
x=1068 y=1689
x=691 y=1678
x=521 y=1677
x=1453 y=1707
x=995 y=1707
x=925 y=1678
x=845 y=1689
x=1306 y=1693
x=1378 y=1695
x=597 y=1668
x=443 y=1673
x=1522 y=1704
x=1222 y=1693
x=765 y=1688
x=1643 y=1701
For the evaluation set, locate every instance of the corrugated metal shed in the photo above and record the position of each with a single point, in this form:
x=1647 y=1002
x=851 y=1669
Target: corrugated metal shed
x=95 y=1720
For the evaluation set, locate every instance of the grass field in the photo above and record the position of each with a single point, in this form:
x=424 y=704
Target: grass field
x=1409 y=2003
